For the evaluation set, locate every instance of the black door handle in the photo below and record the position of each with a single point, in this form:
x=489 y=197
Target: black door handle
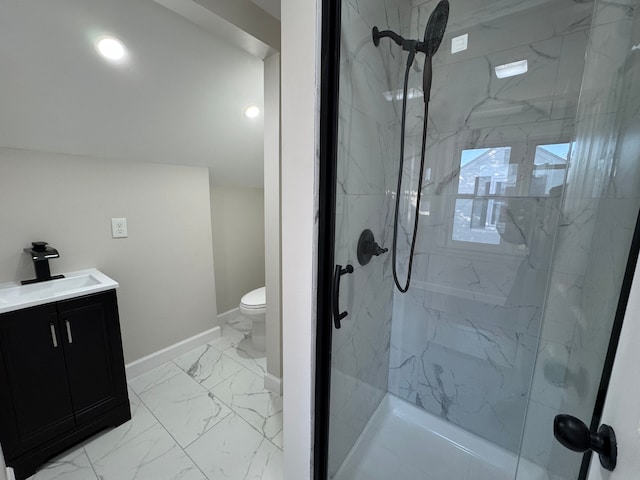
x=575 y=435
x=337 y=316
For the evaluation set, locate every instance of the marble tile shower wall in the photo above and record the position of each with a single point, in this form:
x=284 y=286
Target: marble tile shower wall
x=598 y=220
x=367 y=146
x=464 y=337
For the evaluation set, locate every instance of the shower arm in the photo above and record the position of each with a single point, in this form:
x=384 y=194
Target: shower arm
x=413 y=47
x=407 y=45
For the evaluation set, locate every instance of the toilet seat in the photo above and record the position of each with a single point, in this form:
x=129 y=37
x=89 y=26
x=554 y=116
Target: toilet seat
x=255 y=300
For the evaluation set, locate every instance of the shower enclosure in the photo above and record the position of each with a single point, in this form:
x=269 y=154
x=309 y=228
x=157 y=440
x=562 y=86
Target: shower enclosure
x=530 y=198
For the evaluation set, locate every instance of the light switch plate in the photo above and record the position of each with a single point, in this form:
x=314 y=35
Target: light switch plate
x=119 y=228
x=460 y=43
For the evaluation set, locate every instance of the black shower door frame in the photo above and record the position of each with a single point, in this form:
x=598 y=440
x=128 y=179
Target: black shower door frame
x=327 y=179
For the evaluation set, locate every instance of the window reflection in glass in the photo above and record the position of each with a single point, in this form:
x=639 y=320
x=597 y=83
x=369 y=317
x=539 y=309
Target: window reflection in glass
x=549 y=167
x=490 y=199
x=485 y=176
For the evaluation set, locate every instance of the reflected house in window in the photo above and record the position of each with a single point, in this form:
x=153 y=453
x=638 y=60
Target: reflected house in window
x=488 y=185
x=549 y=168
x=485 y=176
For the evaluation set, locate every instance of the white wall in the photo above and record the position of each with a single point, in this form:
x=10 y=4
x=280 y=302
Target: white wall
x=164 y=267
x=272 y=214
x=300 y=92
x=237 y=225
x=622 y=409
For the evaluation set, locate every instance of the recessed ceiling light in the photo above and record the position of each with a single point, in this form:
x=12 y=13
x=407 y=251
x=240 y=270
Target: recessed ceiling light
x=512 y=69
x=111 y=48
x=251 y=112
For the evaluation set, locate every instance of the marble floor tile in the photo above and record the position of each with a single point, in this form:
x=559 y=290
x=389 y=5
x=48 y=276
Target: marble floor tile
x=231 y=450
x=108 y=441
x=266 y=463
x=73 y=465
x=153 y=455
x=244 y=392
x=184 y=407
x=230 y=337
x=206 y=403
x=154 y=377
x=207 y=365
x=248 y=357
x=240 y=323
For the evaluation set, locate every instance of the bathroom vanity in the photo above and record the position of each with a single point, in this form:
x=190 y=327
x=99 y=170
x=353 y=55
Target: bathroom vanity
x=62 y=375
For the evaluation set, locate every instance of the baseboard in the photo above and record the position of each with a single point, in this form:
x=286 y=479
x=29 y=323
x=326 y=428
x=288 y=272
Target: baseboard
x=224 y=317
x=156 y=359
x=273 y=383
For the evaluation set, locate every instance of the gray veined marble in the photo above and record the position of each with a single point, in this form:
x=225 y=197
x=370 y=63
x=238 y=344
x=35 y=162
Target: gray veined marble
x=500 y=278
x=597 y=221
x=176 y=422
x=367 y=158
x=185 y=408
x=233 y=450
x=151 y=455
x=73 y=465
x=245 y=394
x=109 y=441
x=154 y=377
x=247 y=356
x=208 y=366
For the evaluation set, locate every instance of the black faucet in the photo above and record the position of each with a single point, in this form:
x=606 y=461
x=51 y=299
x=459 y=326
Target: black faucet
x=40 y=253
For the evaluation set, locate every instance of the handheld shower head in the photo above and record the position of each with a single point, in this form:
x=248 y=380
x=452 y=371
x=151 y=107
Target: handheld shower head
x=436 y=26
x=433 y=34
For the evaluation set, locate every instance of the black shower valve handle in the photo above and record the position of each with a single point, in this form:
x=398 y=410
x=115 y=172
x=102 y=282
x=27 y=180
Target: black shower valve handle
x=367 y=247
x=377 y=249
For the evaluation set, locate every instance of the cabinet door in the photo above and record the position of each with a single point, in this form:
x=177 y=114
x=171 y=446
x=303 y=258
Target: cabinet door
x=35 y=402
x=95 y=366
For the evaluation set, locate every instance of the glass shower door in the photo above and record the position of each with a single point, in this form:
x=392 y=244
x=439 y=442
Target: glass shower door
x=528 y=209
x=597 y=223
x=367 y=139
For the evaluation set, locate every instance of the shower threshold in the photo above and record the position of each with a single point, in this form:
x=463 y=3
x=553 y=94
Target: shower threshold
x=403 y=442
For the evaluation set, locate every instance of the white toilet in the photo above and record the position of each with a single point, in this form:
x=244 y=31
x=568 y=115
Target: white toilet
x=253 y=306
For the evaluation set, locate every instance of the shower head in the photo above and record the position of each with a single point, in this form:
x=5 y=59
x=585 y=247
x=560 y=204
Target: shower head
x=436 y=26
x=433 y=34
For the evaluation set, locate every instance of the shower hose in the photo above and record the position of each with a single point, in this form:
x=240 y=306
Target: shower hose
x=404 y=288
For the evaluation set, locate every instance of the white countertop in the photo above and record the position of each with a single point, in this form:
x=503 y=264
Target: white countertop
x=14 y=296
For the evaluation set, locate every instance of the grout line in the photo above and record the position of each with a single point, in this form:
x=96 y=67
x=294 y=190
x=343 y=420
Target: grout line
x=174 y=439
x=103 y=432
x=232 y=411
x=90 y=462
x=157 y=384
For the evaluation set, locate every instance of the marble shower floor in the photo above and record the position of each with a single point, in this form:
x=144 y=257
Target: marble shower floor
x=204 y=415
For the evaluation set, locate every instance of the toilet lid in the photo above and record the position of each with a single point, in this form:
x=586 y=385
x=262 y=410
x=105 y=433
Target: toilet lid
x=255 y=298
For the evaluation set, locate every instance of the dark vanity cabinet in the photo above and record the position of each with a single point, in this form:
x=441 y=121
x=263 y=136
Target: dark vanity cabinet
x=62 y=377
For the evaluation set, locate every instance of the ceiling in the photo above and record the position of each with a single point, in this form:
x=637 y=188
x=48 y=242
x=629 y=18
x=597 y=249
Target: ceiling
x=178 y=99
